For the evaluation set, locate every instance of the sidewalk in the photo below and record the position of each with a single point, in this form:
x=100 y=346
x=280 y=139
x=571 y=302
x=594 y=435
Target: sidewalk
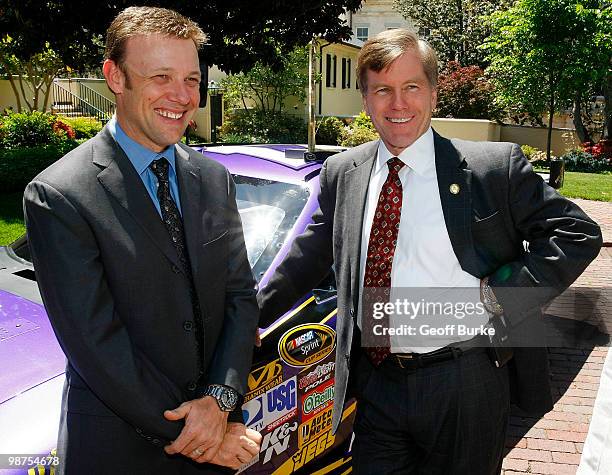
x=555 y=443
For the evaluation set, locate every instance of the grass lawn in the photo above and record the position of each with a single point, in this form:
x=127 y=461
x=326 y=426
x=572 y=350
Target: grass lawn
x=11 y=217
x=590 y=186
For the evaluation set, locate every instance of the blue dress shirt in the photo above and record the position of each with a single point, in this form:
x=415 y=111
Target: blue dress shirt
x=141 y=157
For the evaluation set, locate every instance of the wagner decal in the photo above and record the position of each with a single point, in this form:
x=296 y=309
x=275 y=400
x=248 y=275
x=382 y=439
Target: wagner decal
x=263 y=378
x=277 y=441
x=306 y=344
x=313 y=449
x=312 y=429
x=317 y=400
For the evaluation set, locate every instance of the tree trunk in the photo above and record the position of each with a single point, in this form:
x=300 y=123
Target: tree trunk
x=607 y=92
x=15 y=91
x=23 y=94
x=581 y=130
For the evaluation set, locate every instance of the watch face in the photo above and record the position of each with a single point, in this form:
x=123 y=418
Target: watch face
x=229 y=399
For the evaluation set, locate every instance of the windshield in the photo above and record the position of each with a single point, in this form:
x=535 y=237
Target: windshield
x=268 y=210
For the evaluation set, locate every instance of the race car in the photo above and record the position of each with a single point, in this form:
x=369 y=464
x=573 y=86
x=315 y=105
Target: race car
x=291 y=384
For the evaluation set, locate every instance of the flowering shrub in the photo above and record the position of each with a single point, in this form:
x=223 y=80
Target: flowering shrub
x=590 y=159
x=360 y=130
x=465 y=93
x=62 y=129
x=31 y=129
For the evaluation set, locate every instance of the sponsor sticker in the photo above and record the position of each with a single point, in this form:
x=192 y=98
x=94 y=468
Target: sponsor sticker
x=313 y=449
x=274 y=405
x=317 y=400
x=317 y=376
x=263 y=378
x=312 y=429
x=306 y=344
x=277 y=441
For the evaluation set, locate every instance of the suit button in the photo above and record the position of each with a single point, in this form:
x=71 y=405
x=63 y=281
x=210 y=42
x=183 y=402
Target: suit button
x=187 y=325
x=352 y=312
x=156 y=441
x=175 y=269
x=192 y=386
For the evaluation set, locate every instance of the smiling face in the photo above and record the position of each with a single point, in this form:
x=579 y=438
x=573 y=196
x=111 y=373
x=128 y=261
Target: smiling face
x=400 y=101
x=157 y=89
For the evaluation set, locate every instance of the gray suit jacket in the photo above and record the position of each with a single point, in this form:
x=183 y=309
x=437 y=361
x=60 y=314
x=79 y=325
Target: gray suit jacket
x=501 y=204
x=117 y=296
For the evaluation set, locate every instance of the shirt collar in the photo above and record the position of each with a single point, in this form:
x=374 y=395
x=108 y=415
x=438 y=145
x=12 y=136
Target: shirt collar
x=141 y=157
x=420 y=156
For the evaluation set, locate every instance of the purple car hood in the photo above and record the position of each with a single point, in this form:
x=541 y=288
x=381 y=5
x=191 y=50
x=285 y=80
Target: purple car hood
x=29 y=352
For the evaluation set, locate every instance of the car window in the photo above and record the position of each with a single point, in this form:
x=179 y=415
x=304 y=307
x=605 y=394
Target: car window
x=268 y=209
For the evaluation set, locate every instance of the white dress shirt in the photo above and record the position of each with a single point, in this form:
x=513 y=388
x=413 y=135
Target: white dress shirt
x=424 y=256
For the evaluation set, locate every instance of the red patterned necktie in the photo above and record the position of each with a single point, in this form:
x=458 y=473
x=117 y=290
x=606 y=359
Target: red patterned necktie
x=381 y=249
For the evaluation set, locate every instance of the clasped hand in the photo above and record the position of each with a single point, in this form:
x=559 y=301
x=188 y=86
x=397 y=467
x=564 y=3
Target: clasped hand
x=207 y=437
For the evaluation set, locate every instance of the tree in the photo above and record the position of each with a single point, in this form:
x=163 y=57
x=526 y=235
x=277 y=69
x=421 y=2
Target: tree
x=455 y=26
x=543 y=52
x=465 y=93
x=241 y=32
x=269 y=89
x=34 y=75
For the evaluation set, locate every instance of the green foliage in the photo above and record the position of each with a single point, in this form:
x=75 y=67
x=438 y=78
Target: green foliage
x=465 y=93
x=543 y=52
x=268 y=88
x=329 y=130
x=455 y=26
x=529 y=151
x=363 y=120
x=11 y=217
x=361 y=130
x=32 y=128
x=19 y=165
x=582 y=161
x=84 y=127
x=263 y=127
x=240 y=32
x=34 y=73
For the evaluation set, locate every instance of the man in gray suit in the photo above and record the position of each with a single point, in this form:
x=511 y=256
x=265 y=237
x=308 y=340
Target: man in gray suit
x=416 y=210
x=140 y=258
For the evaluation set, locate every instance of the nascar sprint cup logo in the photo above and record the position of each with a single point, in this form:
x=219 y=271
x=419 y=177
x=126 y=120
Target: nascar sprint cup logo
x=306 y=344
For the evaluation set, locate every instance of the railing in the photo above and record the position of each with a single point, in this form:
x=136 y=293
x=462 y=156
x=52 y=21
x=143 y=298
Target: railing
x=97 y=100
x=71 y=104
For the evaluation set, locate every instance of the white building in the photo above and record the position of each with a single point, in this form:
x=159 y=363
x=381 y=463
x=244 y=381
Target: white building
x=375 y=16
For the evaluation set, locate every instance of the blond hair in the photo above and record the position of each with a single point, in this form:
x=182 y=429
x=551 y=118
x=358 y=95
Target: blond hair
x=134 y=21
x=381 y=50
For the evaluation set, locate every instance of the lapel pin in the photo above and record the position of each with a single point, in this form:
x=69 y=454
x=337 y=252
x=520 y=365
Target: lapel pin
x=454 y=189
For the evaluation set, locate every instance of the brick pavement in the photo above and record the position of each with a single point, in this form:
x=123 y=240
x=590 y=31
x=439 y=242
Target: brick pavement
x=554 y=443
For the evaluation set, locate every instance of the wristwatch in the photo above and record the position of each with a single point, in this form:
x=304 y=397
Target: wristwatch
x=226 y=397
x=488 y=298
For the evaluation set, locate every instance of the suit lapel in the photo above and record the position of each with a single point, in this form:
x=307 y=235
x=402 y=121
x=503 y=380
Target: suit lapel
x=357 y=181
x=120 y=179
x=454 y=185
x=189 y=179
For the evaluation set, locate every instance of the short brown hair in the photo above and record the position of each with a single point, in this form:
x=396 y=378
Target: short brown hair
x=381 y=50
x=134 y=21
